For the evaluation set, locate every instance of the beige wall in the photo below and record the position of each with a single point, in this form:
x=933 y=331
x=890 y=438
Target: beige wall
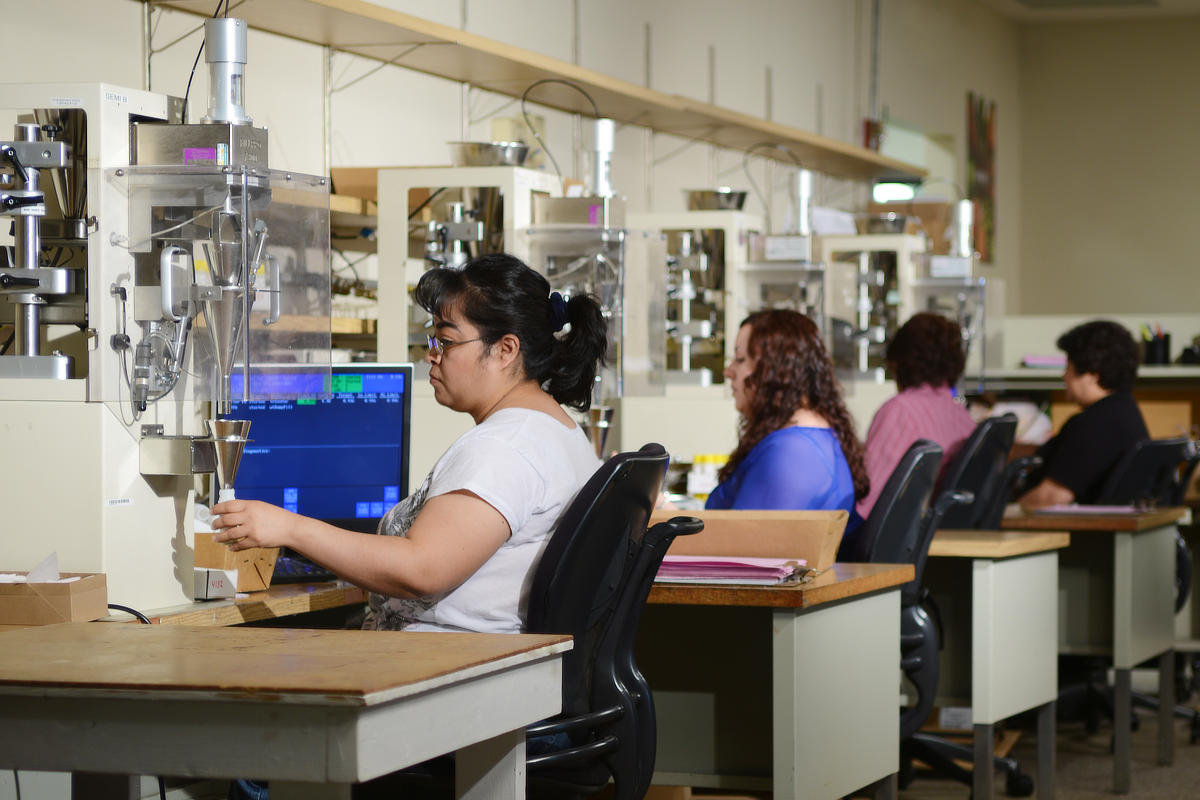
x=931 y=54
x=816 y=50
x=1109 y=176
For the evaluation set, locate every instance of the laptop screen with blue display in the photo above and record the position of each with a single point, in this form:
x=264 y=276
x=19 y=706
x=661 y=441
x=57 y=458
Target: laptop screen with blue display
x=343 y=458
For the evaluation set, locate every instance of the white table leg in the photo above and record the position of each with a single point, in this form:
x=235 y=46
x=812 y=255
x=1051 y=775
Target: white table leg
x=493 y=768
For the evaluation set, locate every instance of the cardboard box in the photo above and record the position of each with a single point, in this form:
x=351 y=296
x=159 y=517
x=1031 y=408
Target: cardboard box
x=211 y=584
x=254 y=567
x=49 y=603
x=811 y=535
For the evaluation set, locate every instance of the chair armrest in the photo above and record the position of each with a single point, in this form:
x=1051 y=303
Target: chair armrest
x=567 y=724
x=584 y=752
x=675 y=526
x=946 y=501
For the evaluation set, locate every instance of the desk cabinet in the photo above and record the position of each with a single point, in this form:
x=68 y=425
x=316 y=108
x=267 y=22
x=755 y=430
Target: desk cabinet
x=761 y=689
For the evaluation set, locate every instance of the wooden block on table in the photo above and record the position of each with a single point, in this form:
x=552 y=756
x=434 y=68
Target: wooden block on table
x=254 y=566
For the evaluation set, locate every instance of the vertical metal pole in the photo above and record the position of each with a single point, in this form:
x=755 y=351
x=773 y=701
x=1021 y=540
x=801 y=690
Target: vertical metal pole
x=327 y=107
x=464 y=100
x=768 y=95
x=465 y=88
x=577 y=144
x=873 y=93
x=147 y=44
x=648 y=147
x=712 y=99
x=864 y=311
x=1045 y=751
x=28 y=313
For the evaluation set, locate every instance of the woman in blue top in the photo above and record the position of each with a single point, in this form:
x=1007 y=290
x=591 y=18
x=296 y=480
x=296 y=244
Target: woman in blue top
x=796 y=445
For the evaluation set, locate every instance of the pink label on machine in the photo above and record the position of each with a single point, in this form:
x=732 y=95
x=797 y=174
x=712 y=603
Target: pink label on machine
x=207 y=154
x=593 y=215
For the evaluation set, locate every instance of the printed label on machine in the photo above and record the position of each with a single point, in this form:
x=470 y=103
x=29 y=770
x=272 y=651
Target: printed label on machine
x=113 y=502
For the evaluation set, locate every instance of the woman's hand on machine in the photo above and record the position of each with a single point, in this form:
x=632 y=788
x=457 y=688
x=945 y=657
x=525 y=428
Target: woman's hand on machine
x=242 y=524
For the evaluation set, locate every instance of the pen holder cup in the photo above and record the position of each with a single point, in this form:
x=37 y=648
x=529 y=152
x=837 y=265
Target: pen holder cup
x=1157 y=350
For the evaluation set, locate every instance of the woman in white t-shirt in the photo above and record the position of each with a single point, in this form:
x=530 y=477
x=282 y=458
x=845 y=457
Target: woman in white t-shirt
x=461 y=550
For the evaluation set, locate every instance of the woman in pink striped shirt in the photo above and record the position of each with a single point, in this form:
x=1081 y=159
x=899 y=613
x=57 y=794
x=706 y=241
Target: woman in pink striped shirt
x=926 y=358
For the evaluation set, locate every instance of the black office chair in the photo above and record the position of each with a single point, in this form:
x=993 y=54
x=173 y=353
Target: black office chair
x=592 y=583
x=979 y=468
x=1147 y=474
x=901 y=527
x=1156 y=472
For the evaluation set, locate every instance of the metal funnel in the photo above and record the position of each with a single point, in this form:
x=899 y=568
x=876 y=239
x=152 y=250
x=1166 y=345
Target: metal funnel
x=225 y=255
x=597 y=425
x=225 y=321
x=229 y=440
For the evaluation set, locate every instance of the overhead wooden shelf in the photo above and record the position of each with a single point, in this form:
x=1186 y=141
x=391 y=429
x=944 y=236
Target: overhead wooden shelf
x=366 y=30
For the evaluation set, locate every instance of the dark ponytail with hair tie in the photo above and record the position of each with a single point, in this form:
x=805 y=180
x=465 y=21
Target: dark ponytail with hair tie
x=499 y=295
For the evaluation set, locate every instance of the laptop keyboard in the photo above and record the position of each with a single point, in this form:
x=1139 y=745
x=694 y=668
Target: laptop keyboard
x=296 y=569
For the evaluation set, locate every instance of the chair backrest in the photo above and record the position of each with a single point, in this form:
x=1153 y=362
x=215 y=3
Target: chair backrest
x=900 y=506
x=592 y=583
x=899 y=529
x=1147 y=473
x=979 y=468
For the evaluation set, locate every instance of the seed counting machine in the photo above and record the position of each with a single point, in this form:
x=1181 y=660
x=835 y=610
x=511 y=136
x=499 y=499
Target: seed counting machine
x=155 y=270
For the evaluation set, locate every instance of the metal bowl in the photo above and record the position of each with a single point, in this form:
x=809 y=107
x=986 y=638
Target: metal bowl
x=889 y=222
x=488 y=154
x=714 y=199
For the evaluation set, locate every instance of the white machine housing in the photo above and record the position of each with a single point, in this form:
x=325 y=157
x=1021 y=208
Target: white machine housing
x=76 y=476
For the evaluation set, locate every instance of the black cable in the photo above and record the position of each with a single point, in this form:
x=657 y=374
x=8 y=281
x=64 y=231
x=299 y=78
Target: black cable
x=525 y=115
x=196 y=62
x=17 y=783
x=350 y=265
x=426 y=202
x=8 y=343
x=162 y=786
x=131 y=611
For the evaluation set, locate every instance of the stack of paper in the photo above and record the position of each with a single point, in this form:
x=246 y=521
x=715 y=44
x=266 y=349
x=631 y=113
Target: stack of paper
x=1037 y=361
x=1075 y=508
x=726 y=569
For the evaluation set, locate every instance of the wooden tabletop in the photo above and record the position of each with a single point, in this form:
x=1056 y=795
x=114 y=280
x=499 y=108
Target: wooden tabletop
x=995 y=544
x=321 y=667
x=839 y=582
x=1132 y=521
x=278 y=601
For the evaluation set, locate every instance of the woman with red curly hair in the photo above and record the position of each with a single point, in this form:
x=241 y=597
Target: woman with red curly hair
x=926 y=358
x=796 y=445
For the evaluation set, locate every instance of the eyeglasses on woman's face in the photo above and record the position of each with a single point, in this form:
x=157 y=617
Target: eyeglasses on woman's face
x=439 y=346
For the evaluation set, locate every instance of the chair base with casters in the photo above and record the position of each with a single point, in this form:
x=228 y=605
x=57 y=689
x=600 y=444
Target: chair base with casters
x=900 y=529
x=941 y=755
x=920 y=643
